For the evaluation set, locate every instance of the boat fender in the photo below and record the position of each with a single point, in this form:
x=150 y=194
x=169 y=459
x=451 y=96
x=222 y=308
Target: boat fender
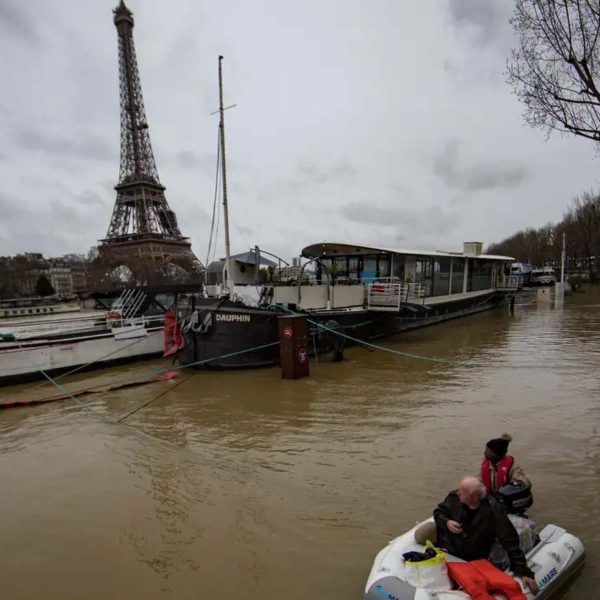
x=263 y=295
x=189 y=322
x=205 y=324
x=266 y=295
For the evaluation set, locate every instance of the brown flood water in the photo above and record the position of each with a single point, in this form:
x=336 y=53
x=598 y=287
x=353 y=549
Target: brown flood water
x=243 y=486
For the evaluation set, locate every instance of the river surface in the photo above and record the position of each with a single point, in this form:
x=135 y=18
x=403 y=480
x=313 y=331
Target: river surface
x=244 y=486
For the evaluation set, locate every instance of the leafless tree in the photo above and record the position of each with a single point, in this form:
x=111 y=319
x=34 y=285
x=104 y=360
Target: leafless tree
x=555 y=69
x=580 y=223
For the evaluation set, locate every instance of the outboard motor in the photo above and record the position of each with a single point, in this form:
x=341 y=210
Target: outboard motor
x=514 y=497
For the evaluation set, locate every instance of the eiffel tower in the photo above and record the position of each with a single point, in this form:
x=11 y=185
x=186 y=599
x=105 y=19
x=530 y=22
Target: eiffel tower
x=143 y=234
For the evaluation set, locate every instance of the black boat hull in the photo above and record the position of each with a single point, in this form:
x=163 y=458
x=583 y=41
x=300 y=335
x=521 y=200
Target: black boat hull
x=226 y=335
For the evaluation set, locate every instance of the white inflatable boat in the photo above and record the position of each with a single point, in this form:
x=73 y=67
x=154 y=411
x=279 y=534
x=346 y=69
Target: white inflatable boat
x=553 y=559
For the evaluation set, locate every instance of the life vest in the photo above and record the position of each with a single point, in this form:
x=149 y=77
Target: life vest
x=480 y=577
x=502 y=471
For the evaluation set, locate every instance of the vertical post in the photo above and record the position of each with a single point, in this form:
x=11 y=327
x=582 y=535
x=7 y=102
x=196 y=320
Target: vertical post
x=559 y=286
x=256 y=264
x=228 y=282
x=293 y=346
x=563 y=256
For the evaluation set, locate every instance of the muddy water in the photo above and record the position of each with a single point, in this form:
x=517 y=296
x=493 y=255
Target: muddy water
x=244 y=486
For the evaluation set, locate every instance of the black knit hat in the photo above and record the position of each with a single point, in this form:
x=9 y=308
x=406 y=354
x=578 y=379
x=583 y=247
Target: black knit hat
x=499 y=446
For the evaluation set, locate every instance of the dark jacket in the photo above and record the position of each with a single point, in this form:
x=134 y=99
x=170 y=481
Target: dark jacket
x=481 y=528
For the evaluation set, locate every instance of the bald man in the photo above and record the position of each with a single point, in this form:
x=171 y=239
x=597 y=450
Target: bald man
x=468 y=523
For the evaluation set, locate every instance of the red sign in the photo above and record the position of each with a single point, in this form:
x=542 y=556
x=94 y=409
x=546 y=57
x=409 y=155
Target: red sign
x=287 y=332
x=302 y=355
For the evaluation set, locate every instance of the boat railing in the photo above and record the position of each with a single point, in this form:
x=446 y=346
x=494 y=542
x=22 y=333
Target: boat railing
x=387 y=294
x=125 y=307
x=510 y=282
x=83 y=324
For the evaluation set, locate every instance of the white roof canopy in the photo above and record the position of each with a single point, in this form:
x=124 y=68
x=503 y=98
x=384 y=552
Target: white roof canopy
x=332 y=249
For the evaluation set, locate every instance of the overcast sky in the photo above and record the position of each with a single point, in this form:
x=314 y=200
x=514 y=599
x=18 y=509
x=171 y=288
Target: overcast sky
x=382 y=122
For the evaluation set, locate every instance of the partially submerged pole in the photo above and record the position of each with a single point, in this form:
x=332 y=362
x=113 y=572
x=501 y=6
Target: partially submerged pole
x=559 y=286
x=293 y=346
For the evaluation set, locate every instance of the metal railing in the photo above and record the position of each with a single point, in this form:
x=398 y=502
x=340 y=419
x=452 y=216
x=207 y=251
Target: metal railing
x=125 y=307
x=393 y=295
x=510 y=282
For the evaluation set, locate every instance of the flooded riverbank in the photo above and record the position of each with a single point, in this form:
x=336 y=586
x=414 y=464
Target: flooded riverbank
x=242 y=485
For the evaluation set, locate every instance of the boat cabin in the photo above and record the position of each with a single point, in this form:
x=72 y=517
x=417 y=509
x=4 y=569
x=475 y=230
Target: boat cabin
x=245 y=268
x=391 y=276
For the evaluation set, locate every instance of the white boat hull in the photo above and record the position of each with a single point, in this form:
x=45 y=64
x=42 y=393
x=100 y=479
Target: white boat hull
x=553 y=560
x=22 y=360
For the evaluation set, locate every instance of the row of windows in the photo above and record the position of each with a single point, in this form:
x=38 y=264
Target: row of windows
x=26 y=311
x=431 y=272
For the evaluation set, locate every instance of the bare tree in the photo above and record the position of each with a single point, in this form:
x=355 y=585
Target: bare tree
x=555 y=70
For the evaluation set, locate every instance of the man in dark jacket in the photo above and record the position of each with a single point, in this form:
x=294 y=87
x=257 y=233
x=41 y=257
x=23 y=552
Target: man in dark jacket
x=468 y=523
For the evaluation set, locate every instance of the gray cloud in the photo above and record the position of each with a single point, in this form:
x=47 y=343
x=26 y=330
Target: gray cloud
x=52 y=223
x=400 y=190
x=87 y=146
x=485 y=18
x=476 y=175
x=341 y=170
x=432 y=219
x=91 y=198
x=245 y=230
x=14 y=22
x=12 y=209
x=323 y=121
x=188 y=159
x=308 y=174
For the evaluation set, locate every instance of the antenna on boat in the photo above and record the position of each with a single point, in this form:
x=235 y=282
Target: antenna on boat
x=229 y=282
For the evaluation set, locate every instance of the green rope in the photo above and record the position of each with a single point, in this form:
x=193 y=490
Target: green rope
x=390 y=350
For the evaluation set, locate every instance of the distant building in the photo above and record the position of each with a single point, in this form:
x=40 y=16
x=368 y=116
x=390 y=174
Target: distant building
x=20 y=274
x=59 y=274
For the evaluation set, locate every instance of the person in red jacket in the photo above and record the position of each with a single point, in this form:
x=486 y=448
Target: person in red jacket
x=499 y=468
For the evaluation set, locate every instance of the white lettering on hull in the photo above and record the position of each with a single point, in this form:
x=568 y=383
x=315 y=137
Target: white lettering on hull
x=234 y=318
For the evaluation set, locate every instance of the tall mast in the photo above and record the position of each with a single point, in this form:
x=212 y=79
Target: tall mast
x=229 y=282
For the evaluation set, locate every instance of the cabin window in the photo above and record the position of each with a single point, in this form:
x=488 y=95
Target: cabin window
x=480 y=275
x=458 y=275
x=441 y=276
x=398 y=266
x=383 y=266
x=354 y=267
x=424 y=273
x=369 y=270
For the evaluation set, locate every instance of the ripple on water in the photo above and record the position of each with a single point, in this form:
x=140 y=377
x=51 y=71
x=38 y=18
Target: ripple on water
x=246 y=483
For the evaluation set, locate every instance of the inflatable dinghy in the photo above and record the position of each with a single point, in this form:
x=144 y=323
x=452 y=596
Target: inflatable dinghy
x=554 y=558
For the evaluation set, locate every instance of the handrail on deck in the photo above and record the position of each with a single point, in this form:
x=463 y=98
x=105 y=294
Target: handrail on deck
x=510 y=282
x=385 y=293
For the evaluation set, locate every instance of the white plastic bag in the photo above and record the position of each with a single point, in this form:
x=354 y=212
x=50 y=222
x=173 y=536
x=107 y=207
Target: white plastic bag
x=430 y=574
